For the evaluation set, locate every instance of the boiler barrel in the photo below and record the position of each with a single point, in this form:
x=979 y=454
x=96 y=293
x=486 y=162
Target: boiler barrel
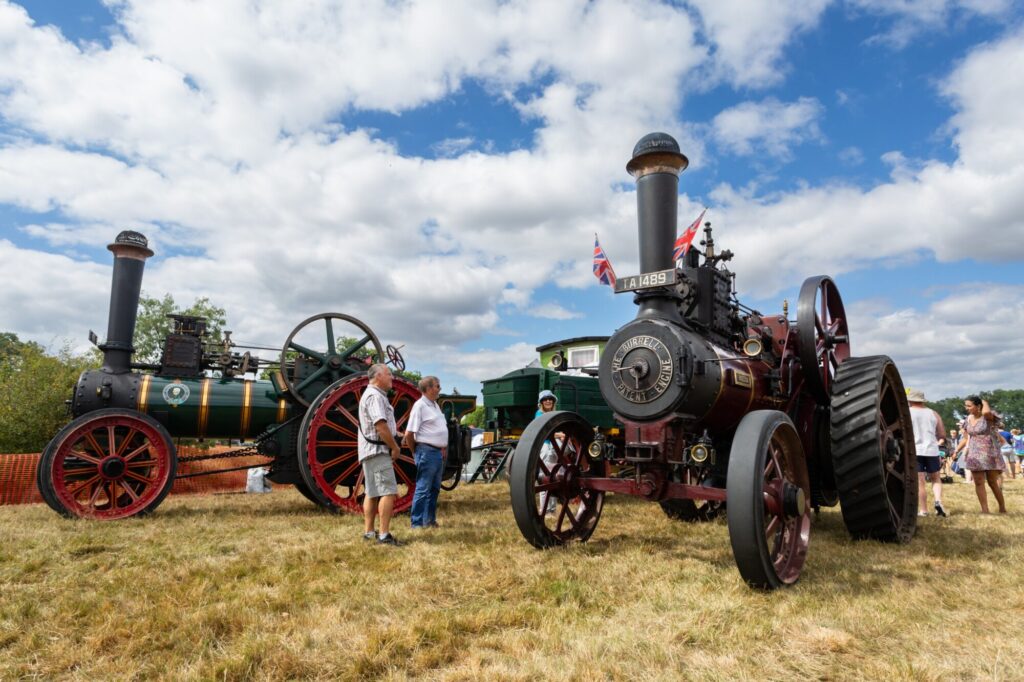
x=212 y=408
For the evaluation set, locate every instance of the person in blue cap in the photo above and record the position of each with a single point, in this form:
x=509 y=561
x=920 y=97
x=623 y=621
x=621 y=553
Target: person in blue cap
x=546 y=402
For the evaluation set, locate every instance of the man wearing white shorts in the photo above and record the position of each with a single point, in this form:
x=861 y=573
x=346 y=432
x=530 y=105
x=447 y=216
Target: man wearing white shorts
x=378 y=451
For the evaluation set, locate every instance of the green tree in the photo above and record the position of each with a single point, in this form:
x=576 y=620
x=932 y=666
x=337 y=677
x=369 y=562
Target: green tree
x=11 y=346
x=1009 y=403
x=33 y=389
x=153 y=325
x=475 y=418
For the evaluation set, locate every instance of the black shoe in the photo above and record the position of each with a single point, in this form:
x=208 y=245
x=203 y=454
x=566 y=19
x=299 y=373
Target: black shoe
x=939 y=509
x=372 y=535
x=389 y=539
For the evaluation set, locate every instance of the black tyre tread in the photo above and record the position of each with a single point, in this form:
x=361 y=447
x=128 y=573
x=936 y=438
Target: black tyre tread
x=857 y=460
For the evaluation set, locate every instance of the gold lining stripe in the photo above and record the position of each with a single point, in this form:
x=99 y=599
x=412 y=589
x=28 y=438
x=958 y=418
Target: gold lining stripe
x=204 y=407
x=246 y=407
x=282 y=410
x=144 y=392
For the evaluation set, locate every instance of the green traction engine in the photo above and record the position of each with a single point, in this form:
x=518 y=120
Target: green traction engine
x=117 y=458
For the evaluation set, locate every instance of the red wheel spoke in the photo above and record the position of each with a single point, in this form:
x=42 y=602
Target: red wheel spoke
x=337 y=460
x=336 y=444
x=78 y=488
x=345 y=474
x=136 y=452
x=131 y=493
x=547 y=486
x=126 y=442
x=112 y=440
x=405 y=477
x=88 y=458
x=354 y=420
x=95 y=493
x=402 y=420
x=141 y=479
x=562 y=507
x=95 y=446
x=113 y=495
x=772 y=526
x=339 y=428
x=407 y=459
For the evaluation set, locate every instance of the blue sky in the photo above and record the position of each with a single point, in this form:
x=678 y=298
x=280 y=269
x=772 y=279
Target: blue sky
x=439 y=169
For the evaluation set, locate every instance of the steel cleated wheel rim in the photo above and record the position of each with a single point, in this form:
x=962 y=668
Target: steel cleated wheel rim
x=873 y=450
x=769 y=511
x=550 y=506
x=328 y=445
x=108 y=466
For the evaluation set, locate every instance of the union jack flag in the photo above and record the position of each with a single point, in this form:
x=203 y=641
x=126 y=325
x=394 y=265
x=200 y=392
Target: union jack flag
x=602 y=266
x=682 y=244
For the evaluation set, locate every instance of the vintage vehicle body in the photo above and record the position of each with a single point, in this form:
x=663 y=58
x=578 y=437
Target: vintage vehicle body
x=724 y=409
x=510 y=402
x=117 y=457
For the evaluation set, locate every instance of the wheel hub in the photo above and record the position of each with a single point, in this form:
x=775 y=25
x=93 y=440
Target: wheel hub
x=113 y=467
x=794 y=502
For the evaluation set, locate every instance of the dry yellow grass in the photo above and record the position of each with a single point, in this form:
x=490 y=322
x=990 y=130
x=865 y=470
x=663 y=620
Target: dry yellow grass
x=267 y=587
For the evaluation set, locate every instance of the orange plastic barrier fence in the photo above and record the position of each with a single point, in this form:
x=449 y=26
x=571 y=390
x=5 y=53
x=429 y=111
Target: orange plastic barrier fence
x=18 y=475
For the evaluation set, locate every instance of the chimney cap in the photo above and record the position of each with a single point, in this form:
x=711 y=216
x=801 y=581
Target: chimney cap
x=133 y=240
x=661 y=144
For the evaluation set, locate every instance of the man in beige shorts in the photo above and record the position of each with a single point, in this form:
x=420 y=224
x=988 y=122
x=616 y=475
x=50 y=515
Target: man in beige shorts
x=378 y=451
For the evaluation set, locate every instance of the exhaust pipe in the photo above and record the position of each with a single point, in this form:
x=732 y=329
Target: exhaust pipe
x=656 y=165
x=130 y=249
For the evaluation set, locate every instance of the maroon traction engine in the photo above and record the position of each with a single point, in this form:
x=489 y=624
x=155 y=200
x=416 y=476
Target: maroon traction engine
x=725 y=410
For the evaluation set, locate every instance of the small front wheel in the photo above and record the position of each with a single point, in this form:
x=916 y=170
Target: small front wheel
x=769 y=509
x=108 y=464
x=550 y=506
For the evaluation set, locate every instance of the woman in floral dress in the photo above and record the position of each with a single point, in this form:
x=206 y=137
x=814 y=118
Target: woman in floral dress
x=983 y=457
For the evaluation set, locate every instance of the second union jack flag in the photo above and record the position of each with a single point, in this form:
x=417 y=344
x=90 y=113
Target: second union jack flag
x=602 y=266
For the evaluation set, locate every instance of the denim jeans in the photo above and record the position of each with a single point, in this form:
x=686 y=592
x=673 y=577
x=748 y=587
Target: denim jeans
x=429 y=468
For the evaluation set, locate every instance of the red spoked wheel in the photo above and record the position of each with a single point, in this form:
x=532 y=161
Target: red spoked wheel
x=109 y=464
x=823 y=335
x=549 y=505
x=328 y=448
x=769 y=509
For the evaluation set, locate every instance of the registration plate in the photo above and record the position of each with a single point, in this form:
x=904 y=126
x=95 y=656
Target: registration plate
x=648 y=280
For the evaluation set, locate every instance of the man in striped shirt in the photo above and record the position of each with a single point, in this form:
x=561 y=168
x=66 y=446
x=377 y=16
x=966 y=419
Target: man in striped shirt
x=378 y=451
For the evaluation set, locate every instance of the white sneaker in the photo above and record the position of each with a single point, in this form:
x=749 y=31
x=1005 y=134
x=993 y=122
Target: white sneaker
x=922 y=513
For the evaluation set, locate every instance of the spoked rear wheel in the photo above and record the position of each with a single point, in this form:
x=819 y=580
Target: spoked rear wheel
x=108 y=464
x=549 y=505
x=328 y=447
x=873 y=450
x=769 y=511
x=823 y=334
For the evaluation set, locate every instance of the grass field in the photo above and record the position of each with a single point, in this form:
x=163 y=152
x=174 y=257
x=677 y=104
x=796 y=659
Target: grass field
x=267 y=587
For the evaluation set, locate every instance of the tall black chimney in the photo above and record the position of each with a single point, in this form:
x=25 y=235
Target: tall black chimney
x=656 y=165
x=131 y=249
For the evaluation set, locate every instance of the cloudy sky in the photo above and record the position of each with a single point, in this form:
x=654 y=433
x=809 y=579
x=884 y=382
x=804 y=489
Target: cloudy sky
x=439 y=168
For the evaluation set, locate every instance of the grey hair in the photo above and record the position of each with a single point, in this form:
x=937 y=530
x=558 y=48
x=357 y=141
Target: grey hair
x=428 y=381
x=376 y=369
